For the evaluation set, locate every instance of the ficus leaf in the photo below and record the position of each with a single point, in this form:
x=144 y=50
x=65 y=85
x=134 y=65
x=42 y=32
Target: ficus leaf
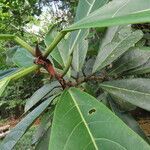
x=81 y=122
x=115 y=49
x=17 y=132
x=133 y=58
x=116 y=13
x=78 y=42
x=47 y=89
x=135 y=91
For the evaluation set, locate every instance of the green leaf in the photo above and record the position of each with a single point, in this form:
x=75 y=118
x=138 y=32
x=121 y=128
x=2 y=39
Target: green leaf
x=134 y=91
x=127 y=118
x=79 y=55
x=7 y=72
x=116 y=13
x=60 y=53
x=44 y=142
x=145 y=68
x=16 y=133
x=3 y=85
x=131 y=59
x=78 y=42
x=48 y=89
x=45 y=123
x=22 y=58
x=115 y=49
x=81 y=122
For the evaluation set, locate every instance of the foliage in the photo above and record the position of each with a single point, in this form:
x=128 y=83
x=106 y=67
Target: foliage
x=82 y=83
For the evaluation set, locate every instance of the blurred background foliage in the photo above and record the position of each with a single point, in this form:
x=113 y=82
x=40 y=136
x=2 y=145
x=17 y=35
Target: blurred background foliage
x=30 y=20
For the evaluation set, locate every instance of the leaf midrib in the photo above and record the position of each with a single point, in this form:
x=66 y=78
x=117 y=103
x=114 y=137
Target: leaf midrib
x=82 y=118
x=102 y=64
x=90 y=8
x=114 y=87
x=124 y=64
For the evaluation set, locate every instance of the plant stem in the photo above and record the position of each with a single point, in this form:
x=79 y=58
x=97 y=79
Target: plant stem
x=25 y=45
x=23 y=72
x=7 y=37
x=19 y=41
x=54 y=43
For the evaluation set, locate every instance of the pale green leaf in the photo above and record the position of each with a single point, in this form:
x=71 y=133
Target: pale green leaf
x=116 y=12
x=134 y=91
x=81 y=122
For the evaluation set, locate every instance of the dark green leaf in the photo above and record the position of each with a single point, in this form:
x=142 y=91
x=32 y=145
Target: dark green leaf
x=81 y=122
x=115 y=49
x=16 y=133
x=50 y=88
x=131 y=59
x=134 y=91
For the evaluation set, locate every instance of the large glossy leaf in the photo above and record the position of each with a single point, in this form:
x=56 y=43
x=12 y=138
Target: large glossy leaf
x=50 y=88
x=17 y=132
x=78 y=43
x=133 y=58
x=22 y=58
x=116 y=12
x=134 y=91
x=81 y=122
x=115 y=49
x=3 y=85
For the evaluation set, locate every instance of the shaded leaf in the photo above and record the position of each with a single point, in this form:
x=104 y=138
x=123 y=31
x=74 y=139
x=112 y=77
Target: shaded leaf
x=115 y=13
x=44 y=125
x=127 y=118
x=3 y=85
x=78 y=42
x=50 y=88
x=22 y=58
x=134 y=91
x=44 y=142
x=17 y=132
x=5 y=73
x=113 y=50
x=131 y=59
x=81 y=122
